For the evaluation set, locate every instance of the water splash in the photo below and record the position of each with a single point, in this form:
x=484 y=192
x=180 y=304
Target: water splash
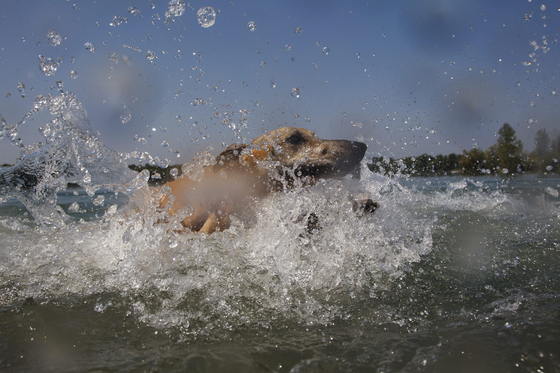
x=69 y=153
x=264 y=269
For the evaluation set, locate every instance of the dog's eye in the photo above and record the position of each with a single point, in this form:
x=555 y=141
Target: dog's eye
x=295 y=139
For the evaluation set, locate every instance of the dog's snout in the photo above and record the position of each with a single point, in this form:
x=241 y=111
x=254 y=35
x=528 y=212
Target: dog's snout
x=356 y=151
x=359 y=148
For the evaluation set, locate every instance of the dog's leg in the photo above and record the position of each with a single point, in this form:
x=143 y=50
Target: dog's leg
x=210 y=224
x=215 y=222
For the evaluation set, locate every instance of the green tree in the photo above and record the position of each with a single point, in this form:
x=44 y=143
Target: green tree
x=493 y=160
x=473 y=162
x=542 y=144
x=555 y=147
x=541 y=157
x=510 y=150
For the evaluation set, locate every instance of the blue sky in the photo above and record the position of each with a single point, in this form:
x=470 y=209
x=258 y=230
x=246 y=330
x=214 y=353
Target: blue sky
x=406 y=77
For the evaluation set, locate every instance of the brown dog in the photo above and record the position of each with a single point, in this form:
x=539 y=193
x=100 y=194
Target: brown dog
x=276 y=160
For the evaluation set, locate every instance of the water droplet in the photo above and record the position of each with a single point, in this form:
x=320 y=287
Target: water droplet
x=87 y=178
x=543 y=7
x=263 y=63
x=126 y=116
x=127 y=235
x=164 y=144
x=139 y=139
x=176 y=7
x=40 y=102
x=54 y=38
x=298 y=30
x=59 y=85
x=252 y=26
x=315 y=66
x=74 y=207
x=326 y=50
x=198 y=101
x=206 y=16
x=113 y=57
x=163 y=163
x=287 y=47
x=47 y=65
x=151 y=56
x=174 y=172
x=117 y=21
x=89 y=47
x=99 y=200
x=21 y=89
x=272 y=83
x=553 y=192
x=73 y=74
x=296 y=92
x=132 y=10
x=178 y=119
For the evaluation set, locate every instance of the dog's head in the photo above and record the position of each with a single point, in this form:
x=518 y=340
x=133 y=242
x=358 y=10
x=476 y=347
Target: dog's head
x=298 y=150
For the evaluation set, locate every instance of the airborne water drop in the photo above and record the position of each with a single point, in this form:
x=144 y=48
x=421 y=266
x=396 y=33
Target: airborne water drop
x=296 y=92
x=252 y=26
x=54 y=38
x=206 y=16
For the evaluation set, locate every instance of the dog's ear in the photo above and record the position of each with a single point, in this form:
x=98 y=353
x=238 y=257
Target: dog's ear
x=251 y=157
x=238 y=154
x=229 y=156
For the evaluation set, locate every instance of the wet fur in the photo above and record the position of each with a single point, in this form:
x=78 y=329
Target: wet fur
x=277 y=160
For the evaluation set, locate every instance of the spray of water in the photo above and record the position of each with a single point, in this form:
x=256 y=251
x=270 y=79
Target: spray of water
x=265 y=270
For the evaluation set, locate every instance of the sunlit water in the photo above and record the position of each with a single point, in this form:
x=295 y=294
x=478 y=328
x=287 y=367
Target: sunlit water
x=450 y=274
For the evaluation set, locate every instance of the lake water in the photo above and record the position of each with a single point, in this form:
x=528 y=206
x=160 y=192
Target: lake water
x=451 y=274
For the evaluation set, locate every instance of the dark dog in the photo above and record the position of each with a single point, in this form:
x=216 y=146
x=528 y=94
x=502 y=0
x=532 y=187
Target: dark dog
x=277 y=160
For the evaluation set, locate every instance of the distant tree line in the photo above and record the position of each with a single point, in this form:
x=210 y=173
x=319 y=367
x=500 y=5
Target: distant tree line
x=506 y=156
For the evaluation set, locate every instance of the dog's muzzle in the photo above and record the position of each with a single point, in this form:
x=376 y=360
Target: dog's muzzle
x=337 y=158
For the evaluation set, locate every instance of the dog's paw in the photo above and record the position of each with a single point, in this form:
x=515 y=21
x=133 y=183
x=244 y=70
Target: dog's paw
x=364 y=206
